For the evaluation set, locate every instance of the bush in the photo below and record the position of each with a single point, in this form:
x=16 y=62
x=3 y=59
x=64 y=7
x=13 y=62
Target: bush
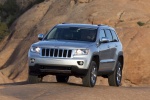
x=38 y=1
x=3 y=30
x=11 y=7
x=9 y=11
x=140 y=23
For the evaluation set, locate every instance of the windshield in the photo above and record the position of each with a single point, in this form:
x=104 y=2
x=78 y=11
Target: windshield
x=72 y=33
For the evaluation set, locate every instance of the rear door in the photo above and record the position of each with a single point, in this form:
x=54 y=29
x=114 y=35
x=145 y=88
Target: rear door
x=115 y=44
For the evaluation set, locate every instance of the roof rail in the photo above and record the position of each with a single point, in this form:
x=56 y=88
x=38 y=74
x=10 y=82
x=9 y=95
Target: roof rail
x=65 y=23
x=102 y=25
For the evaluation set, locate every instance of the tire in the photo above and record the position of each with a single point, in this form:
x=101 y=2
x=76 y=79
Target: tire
x=62 y=79
x=114 y=79
x=34 y=79
x=90 y=79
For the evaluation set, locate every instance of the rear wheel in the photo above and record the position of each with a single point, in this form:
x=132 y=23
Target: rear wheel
x=90 y=79
x=62 y=78
x=34 y=79
x=115 y=78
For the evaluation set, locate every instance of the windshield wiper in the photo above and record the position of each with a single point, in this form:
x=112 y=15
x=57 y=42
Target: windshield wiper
x=51 y=39
x=70 y=39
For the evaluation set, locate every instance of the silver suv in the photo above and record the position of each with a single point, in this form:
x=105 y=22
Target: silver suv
x=81 y=50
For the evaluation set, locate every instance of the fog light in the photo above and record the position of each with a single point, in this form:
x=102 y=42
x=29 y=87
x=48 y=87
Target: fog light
x=80 y=62
x=32 y=60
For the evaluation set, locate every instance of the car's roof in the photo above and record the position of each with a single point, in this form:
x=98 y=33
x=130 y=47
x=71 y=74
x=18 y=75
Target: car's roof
x=78 y=25
x=84 y=25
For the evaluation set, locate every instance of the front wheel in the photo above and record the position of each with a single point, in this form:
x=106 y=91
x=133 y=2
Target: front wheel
x=62 y=79
x=90 y=79
x=114 y=79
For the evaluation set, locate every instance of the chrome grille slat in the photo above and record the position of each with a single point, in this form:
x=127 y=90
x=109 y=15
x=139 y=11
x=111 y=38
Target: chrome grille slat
x=45 y=52
x=67 y=53
x=62 y=53
x=49 y=52
x=53 y=52
x=56 y=52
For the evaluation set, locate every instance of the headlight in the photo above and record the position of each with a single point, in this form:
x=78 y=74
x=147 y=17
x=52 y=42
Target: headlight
x=82 y=52
x=35 y=49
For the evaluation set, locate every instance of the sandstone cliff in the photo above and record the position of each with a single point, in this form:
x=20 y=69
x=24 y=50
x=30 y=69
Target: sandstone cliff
x=126 y=16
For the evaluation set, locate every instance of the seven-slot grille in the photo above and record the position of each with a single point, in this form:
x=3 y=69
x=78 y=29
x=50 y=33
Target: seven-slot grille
x=54 y=52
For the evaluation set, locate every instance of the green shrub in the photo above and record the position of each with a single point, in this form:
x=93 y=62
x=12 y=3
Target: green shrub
x=9 y=11
x=11 y=7
x=140 y=23
x=3 y=30
x=121 y=20
x=38 y=1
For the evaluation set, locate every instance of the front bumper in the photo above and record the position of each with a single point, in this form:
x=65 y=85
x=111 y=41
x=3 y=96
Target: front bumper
x=45 y=66
x=42 y=70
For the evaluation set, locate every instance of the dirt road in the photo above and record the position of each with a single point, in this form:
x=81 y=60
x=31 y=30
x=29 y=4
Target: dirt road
x=71 y=91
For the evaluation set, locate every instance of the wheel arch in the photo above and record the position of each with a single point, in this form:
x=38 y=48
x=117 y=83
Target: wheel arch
x=96 y=59
x=121 y=60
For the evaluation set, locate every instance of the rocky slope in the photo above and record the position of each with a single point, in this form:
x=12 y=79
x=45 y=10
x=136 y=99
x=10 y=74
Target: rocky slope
x=121 y=14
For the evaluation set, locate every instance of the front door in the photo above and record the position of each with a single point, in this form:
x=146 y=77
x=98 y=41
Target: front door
x=104 y=53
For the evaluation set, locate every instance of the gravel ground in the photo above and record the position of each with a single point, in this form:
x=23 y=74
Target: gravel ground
x=71 y=91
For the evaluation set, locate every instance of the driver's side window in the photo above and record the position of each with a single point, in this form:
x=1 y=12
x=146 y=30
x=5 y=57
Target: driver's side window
x=102 y=34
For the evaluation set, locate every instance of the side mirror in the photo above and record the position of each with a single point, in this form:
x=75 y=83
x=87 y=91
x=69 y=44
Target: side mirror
x=104 y=40
x=40 y=36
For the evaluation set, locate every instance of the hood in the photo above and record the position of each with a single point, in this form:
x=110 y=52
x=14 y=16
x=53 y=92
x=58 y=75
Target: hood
x=63 y=44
